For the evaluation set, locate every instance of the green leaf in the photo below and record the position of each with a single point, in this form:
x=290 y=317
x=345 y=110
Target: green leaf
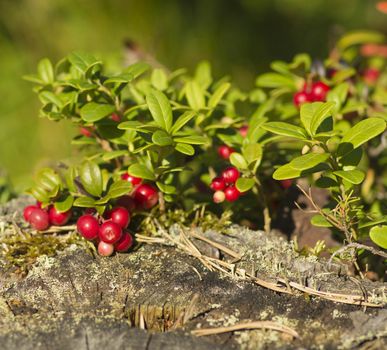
x=308 y=161
x=48 y=179
x=252 y=152
x=360 y=133
x=238 y=160
x=92 y=112
x=320 y=221
x=160 y=109
x=84 y=202
x=64 y=204
x=323 y=111
x=119 y=188
x=141 y=171
x=203 y=74
x=185 y=149
x=114 y=154
x=378 y=234
x=313 y=114
x=46 y=71
x=352 y=176
x=83 y=61
x=168 y=189
x=285 y=129
x=162 y=138
x=193 y=140
x=274 y=80
x=50 y=97
x=182 y=120
x=91 y=178
x=244 y=184
x=216 y=97
x=359 y=37
x=195 y=95
x=286 y=172
x=159 y=79
x=137 y=69
x=121 y=79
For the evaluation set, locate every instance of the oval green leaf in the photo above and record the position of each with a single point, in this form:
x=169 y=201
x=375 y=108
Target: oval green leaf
x=244 y=184
x=92 y=112
x=378 y=234
x=141 y=171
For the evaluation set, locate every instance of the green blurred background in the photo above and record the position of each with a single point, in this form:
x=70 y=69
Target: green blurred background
x=240 y=38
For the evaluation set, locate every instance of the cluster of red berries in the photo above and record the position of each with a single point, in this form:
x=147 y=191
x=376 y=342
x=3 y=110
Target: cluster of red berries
x=311 y=93
x=224 y=186
x=41 y=218
x=111 y=234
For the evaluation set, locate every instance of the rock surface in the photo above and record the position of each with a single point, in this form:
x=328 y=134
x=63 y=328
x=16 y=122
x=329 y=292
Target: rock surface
x=155 y=296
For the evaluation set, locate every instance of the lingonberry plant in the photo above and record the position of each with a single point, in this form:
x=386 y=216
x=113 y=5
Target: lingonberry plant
x=155 y=140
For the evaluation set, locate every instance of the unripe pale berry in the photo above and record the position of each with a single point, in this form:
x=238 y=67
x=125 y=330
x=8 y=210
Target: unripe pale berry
x=58 y=218
x=301 y=97
x=319 y=91
x=132 y=179
x=146 y=196
x=219 y=197
x=39 y=219
x=120 y=216
x=225 y=151
x=27 y=211
x=110 y=232
x=230 y=175
x=218 y=184
x=244 y=130
x=231 y=193
x=88 y=226
x=125 y=242
x=105 y=249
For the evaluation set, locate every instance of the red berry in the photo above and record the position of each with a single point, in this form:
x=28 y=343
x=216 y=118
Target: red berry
x=244 y=130
x=231 y=193
x=319 y=91
x=125 y=242
x=115 y=117
x=58 y=218
x=88 y=226
x=110 y=232
x=218 y=197
x=301 y=97
x=230 y=175
x=39 y=219
x=146 y=196
x=127 y=202
x=225 y=151
x=120 y=216
x=105 y=249
x=38 y=204
x=132 y=179
x=28 y=210
x=218 y=184
x=85 y=132
x=285 y=184
x=371 y=75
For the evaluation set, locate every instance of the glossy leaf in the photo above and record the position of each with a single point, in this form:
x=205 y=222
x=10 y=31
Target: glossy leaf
x=91 y=178
x=159 y=79
x=195 y=95
x=285 y=129
x=308 y=161
x=160 y=109
x=238 y=160
x=185 y=149
x=46 y=71
x=84 y=202
x=92 y=112
x=244 y=184
x=64 y=204
x=83 y=61
x=320 y=221
x=193 y=140
x=119 y=188
x=274 y=80
x=218 y=94
x=182 y=120
x=352 y=176
x=378 y=234
x=162 y=138
x=141 y=171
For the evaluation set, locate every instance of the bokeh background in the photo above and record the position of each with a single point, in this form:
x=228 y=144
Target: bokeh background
x=240 y=38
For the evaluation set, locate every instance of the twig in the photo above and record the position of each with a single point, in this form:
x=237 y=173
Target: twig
x=357 y=246
x=247 y=325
